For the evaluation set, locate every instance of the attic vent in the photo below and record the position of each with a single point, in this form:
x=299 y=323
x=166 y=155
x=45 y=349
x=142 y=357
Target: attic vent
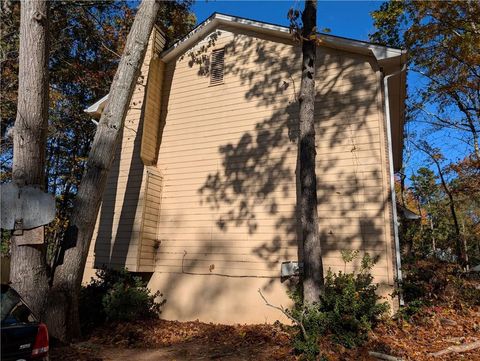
x=217 y=67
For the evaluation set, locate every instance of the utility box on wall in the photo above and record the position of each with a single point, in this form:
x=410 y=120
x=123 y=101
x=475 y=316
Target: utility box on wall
x=289 y=269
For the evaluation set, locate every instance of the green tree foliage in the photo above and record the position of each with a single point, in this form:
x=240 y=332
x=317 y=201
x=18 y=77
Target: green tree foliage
x=435 y=230
x=425 y=186
x=86 y=40
x=442 y=39
x=465 y=186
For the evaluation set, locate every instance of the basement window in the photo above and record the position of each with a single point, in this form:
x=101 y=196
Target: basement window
x=217 y=67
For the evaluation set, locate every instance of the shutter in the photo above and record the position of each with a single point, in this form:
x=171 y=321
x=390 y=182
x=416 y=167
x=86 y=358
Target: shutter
x=217 y=67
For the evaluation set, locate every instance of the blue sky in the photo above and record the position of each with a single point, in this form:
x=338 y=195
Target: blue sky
x=345 y=18
x=350 y=19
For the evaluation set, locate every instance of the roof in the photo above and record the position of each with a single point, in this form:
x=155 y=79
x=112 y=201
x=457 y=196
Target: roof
x=97 y=107
x=381 y=53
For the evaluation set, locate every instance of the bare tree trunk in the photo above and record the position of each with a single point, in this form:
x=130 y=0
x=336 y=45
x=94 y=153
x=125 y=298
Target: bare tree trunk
x=402 y=188
x=434 y=245
x=312 y=253
x=62 y=313
x=476 y=147
x=460 y=242
x=28 y=265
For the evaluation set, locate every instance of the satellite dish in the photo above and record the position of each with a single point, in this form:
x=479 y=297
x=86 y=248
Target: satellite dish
x=29 y=207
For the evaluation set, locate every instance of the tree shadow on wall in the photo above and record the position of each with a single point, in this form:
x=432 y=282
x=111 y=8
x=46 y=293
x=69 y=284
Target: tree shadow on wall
x=122 y=195
x=257 y=180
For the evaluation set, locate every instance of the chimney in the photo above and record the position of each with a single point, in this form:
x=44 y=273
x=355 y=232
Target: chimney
x=159 y=41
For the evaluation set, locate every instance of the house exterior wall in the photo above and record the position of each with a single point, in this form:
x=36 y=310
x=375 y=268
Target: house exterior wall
x=125 y=215
x=153 y=100
x=226 y=169
x=228 y=161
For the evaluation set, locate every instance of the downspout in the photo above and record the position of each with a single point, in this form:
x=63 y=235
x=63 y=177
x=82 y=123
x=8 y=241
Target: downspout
x=392 y=179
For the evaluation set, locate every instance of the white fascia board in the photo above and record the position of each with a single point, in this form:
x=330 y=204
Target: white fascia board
x=190 y=39
x=97 y=107
x=202 y=30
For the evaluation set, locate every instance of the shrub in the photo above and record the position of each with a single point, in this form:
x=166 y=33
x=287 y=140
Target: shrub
x=116 y=295
x=128 y=301
x=349 y=307
x=430 y=282
x=410 y=310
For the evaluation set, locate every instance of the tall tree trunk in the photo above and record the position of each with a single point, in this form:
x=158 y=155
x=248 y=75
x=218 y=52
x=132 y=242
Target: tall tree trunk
x=434 y=244
x=460 y=241
x=28 y=265
x=476 y=147
x=402 y=187
x=312 y=253
x=62 y=313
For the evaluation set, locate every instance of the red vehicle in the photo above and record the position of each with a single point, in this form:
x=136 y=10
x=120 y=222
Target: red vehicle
x=23 y=337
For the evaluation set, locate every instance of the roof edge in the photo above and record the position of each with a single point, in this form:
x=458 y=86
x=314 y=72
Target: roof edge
x=380 y=52
x=97 y=107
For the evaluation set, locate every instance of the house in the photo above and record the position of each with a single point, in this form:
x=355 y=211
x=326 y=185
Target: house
x=201 y=197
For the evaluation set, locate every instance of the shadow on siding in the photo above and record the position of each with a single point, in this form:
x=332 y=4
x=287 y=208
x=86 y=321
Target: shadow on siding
x=252 y=176
x=113 y=240
x=257 y=174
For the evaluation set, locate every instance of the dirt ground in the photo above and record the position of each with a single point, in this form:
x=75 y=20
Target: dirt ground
x=172 y=340
x=436 y=329
x=188 y=351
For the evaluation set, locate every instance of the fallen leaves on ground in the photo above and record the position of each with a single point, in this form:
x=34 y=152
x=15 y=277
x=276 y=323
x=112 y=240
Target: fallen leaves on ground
x=208 y=340
x=74 y=353
x=433 y=329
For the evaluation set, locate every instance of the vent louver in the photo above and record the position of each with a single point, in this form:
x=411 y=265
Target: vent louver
x=217 y=67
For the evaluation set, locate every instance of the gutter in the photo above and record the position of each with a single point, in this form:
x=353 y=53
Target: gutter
x=392 y=178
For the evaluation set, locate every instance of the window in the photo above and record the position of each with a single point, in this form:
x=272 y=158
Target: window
x=217 y=66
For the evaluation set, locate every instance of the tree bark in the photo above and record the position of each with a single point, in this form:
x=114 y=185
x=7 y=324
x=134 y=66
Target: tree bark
x=28 y=271
x=312 y=253
x=62 y=313
x=434 y=244
x=460 y=242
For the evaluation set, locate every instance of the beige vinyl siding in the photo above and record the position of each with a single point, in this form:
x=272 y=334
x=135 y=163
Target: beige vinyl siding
x=228 y=161
x=189 y=153
x=149 y=228
x=153 y=104
x=122 y=220
x=214 y=213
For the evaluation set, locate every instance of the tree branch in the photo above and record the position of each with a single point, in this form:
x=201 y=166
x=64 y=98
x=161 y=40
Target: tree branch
x=287 y=314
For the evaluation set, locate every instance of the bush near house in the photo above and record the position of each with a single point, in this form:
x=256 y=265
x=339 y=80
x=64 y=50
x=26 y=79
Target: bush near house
x=348 y=309
x=117 y=295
